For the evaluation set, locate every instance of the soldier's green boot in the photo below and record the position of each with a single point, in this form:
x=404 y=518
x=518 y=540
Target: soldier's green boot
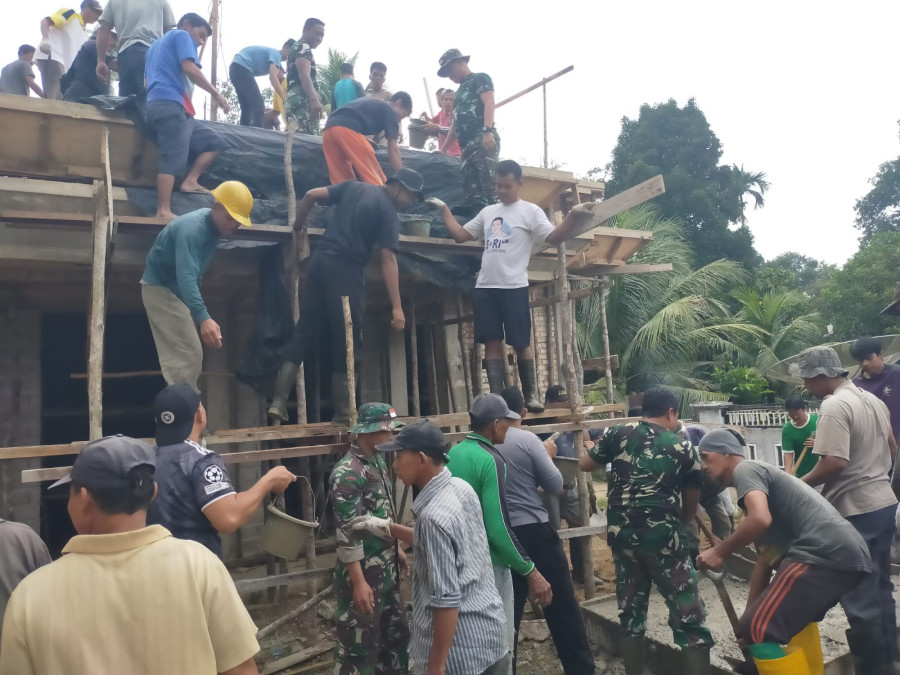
x=696 y=661
x=340 y=399
x=529 y=386
x=496 y=376
x=284 y=382
x=633 y=654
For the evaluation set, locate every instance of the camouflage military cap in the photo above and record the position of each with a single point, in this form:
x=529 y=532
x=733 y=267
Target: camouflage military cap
x=449 y=57
x=818 y=361
x=373 y=417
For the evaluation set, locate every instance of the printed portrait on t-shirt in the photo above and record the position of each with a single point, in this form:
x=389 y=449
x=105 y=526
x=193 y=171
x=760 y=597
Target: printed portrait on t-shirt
x=498 y=235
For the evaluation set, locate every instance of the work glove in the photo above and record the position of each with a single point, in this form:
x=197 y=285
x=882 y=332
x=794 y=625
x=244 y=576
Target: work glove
x=380 y=527
x=45 y=46
x=587 y=207
x=437 y=203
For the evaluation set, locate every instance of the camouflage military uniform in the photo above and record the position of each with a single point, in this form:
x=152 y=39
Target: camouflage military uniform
x=360 y=485
x=650 y=468
x=477 y=163
x=296 y=104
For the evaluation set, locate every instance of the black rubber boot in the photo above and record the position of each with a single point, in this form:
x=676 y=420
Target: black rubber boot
x=696 y=661
x=529 y=386
x=340 y=399
x=633 y=655
x=284 y=382
x=496 y=376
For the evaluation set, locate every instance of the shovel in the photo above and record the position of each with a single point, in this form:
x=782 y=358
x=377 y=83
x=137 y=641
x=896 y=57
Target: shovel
x=748 y=665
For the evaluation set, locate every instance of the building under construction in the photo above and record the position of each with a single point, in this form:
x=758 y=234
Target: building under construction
x=78 y=359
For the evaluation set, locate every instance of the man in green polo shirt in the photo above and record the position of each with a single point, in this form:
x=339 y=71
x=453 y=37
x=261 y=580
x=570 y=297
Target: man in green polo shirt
x=798 y=435
x=477 y=461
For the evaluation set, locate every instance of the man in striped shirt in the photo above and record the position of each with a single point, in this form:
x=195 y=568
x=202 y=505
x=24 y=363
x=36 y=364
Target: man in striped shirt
x=458 y=625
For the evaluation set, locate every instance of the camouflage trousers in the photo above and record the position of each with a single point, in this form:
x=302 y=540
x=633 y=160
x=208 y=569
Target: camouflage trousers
x=296 y=105
x=675 y=579
x=477 y=166
x=376 y=643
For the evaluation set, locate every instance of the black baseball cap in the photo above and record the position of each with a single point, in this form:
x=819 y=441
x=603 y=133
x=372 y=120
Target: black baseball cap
x=492 y=407
x=173 y=411
x=421 y=436
x=410 y=179
x=104 y=464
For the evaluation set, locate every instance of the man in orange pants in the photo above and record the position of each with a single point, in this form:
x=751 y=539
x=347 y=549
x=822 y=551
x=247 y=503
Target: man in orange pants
x=348 y=153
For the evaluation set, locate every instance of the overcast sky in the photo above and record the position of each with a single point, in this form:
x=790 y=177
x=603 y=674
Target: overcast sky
x=806 y=92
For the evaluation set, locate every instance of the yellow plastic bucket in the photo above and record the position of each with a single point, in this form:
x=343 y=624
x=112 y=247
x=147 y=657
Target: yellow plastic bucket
x=792 y=664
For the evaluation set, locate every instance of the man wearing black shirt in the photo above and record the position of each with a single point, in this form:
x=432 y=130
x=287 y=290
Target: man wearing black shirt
x=364 y=217
x=196 y=499
x=348 y=152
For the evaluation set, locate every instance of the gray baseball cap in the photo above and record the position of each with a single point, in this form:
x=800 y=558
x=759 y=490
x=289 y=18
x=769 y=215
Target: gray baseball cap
x=723 y=441
x=104 y=464
x=492 y=407
x=817 y=361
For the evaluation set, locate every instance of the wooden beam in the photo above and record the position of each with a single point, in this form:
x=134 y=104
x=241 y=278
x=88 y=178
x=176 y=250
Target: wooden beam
x=600 y=363
x=537 y=85
x=578 y=532
x=580 y=294
x=248 y=585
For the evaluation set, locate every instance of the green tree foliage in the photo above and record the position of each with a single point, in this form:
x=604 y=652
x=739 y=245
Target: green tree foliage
x=854 y=296
x=788 y=325
x=667 y=327
x=330 y=73
x=879 y=210
x=234 y=114
x=708 y=197
x=794 y=271
x=744 y=386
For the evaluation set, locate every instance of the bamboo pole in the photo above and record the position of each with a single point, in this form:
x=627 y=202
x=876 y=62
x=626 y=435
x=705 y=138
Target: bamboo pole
x=299 y=251
x=428 y=96
x=351 y=375
x=463 y=352
x=610 y=391
x=214 y=24
x=573 y=387
x=535 y=86
x=431 y=372
x=414 y=356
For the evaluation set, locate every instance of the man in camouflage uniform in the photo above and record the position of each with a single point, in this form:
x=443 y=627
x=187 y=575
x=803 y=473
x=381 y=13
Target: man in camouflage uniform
x=370 y=623
x=473 y=126
x=302 y=101
x=654 y=488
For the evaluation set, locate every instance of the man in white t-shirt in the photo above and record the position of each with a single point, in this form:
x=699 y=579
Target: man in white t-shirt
x=511 y=230
x=62 y=35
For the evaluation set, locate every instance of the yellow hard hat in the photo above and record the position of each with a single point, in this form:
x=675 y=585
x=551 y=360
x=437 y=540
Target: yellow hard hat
x=237 y=200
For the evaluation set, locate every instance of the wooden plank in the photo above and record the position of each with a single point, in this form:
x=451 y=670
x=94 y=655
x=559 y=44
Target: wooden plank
x=600 y=363
x=577 y=532
x=299 y=657
x=248 y=585
x=538 y=85
x=608 y=270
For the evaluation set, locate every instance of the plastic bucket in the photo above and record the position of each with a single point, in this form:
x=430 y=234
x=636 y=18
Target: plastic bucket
x=792 y=664
x=284 y=535
x=418 y=227
x=568 y=467
x=417 y=133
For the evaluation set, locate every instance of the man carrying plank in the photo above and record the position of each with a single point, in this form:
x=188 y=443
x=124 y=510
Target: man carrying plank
x=511 y=230
x=817 y=556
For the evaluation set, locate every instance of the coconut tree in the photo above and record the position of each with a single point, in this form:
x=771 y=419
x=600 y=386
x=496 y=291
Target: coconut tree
x=752 y=183
x=668 y=327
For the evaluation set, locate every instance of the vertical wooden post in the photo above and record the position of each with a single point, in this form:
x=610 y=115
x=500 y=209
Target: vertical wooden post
x=100 y=236
x=414 y=357
x=351 y=375
x=610 y=392
x=431 y=370
x=463 y=352
x=299 y=251
x=546 y=157
x=573 y=388
x=214 y=24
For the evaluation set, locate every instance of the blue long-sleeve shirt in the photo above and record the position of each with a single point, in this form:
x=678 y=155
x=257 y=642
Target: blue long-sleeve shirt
x=180 y=256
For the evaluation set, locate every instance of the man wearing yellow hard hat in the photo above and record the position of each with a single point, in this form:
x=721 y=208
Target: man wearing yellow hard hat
x=170 y=287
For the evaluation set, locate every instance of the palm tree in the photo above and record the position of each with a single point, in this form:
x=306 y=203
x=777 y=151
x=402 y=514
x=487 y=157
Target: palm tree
x=787 y=325
x=668 y=327
x=330 y=73
x=751 y=183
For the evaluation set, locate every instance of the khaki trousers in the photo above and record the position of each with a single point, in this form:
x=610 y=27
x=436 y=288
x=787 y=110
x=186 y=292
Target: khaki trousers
x=177 y=341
